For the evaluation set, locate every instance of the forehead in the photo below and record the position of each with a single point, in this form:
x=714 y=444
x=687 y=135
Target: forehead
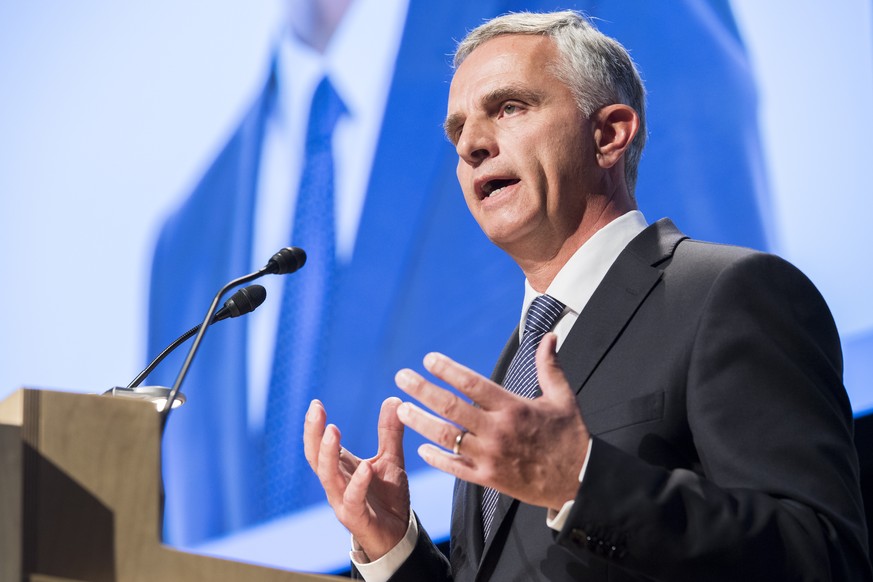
x=514 y=59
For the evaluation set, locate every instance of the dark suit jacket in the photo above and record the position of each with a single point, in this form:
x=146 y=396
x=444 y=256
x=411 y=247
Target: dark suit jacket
x=710 y=379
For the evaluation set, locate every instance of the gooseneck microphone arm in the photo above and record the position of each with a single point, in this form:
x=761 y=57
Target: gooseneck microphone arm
x=285 y=261
x=243 y=301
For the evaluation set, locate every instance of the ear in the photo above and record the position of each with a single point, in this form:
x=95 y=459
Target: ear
x=614 y=129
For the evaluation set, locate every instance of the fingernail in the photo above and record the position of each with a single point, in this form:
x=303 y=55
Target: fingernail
x=403 y=378
x=431 y=359
x=423 y=453
x=403 y=411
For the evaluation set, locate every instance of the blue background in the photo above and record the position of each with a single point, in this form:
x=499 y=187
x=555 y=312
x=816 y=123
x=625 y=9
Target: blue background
x=110 y=115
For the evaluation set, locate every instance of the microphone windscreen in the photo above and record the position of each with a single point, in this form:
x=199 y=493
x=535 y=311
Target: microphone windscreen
x=286 y=261
x=246 y=300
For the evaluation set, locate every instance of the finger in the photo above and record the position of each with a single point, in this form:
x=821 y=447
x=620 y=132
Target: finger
x=313 y=431
x=433 y=428
x=550 y=375
x=329 y=471
x=485 y=393
x=390 y=431
x=355 y=495
x=478 y=388
x=459 y=466
x=440 y=400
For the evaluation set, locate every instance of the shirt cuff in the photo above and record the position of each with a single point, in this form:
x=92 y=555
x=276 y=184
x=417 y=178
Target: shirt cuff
x=385 y=567
x=557 y=519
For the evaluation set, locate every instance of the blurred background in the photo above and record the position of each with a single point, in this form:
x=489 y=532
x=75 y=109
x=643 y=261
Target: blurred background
x=134 y=182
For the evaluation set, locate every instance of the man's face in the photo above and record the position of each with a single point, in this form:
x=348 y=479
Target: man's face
x=525 y=152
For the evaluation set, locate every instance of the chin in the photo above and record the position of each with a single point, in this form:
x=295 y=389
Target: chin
x=503 y=238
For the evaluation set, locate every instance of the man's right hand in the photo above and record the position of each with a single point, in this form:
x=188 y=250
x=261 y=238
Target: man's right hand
x=369 y=496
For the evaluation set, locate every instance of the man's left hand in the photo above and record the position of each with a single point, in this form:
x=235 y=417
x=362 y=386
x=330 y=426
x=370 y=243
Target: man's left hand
x=532 y=450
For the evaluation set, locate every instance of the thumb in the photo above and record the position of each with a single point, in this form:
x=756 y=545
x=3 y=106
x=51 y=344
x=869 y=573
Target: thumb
x=391 y=430
x=550 y=375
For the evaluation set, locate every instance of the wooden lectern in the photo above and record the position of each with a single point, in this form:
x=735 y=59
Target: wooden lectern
x=79 y=496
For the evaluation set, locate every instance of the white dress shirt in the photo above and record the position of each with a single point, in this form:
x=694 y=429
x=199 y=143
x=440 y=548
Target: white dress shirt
x=573 y=286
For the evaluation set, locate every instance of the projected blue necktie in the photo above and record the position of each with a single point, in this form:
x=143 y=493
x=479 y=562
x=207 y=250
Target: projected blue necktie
x=304 y=320
x=521 y=376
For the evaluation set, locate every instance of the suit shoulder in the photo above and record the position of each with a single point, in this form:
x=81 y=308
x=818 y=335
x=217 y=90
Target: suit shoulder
x=703 y=251
x=716 y=258
x=719 y=268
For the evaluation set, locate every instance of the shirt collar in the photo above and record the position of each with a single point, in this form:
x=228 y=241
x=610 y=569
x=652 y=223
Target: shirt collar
x=580 y=276
x=360 y=64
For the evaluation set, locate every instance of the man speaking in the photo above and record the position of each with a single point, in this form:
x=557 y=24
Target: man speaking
x=668 y=409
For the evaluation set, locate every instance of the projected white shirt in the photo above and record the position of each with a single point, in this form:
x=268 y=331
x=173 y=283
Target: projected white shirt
x=360 y=63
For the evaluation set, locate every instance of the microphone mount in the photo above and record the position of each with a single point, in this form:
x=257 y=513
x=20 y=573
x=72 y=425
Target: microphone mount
x=287 y=260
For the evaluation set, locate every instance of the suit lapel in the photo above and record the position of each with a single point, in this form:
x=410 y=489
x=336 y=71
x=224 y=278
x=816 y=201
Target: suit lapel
x=252 y=138
x=624 y=288
x=622 y=291
x=466 y=531
x=401 y=190
x=505 y=358
x=206 y=243
x=474 y=492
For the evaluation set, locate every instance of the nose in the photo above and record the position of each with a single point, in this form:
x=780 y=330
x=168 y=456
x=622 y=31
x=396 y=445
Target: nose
x=477 y=142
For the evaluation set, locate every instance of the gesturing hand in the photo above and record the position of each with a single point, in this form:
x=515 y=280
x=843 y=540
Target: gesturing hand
x=369 y=496
x=532 y=450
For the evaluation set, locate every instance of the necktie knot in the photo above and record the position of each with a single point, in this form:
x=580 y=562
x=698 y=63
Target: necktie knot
x=521 y=376
x=542 y=314
x=327 y=108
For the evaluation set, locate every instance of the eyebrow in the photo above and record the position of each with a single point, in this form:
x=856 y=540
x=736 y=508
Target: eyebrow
x=450 y=124
x=497 y=95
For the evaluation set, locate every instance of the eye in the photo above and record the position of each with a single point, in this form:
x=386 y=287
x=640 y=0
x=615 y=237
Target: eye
x=455 y=134
x=510 y=108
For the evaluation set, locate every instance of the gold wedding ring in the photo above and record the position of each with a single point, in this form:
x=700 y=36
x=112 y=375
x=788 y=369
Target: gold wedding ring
x=458 y=440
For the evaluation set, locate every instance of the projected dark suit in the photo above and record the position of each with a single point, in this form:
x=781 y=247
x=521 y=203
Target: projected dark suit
x=400 y=296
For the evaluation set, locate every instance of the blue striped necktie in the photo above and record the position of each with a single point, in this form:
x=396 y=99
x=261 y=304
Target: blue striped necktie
x=304 y=319
x=521 y=376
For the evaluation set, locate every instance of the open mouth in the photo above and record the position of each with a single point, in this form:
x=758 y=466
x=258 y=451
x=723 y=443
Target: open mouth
x=492 y=187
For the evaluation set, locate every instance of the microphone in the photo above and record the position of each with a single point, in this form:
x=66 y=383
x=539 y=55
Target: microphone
x=286 y=261
x=243 y=301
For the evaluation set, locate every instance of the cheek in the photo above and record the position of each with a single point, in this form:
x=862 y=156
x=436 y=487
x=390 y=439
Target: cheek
x=552 y=150
x=462 y=171
x=464 y=179
x=566 y=157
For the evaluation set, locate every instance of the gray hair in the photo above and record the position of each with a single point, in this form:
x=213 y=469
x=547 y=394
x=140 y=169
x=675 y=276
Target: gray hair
x=597 y=69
